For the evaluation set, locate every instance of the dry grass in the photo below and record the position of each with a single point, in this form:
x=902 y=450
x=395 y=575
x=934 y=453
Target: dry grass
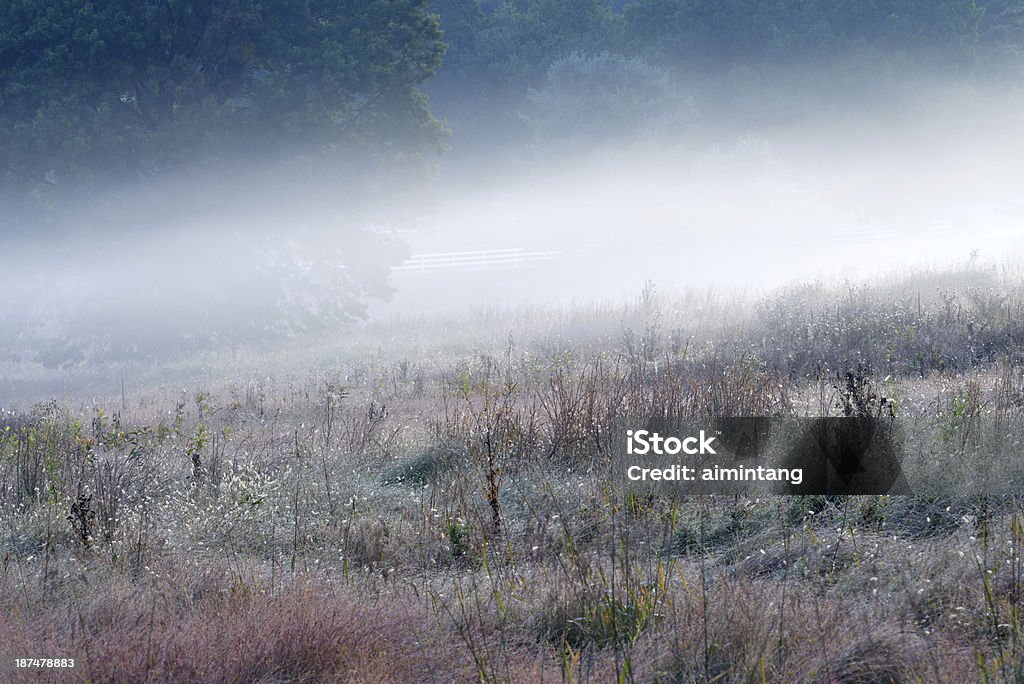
x=446 y=514
x=306 y=632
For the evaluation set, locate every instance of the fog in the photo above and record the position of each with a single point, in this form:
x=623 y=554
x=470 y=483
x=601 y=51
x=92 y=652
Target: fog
x=927 y=181
x=182 y=262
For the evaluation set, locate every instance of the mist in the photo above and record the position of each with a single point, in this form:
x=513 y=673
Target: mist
x=918 y=184
x=914 y=185
x=929 y=179
x=586 y=175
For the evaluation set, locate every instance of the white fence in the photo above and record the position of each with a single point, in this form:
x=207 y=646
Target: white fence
x=484 y=259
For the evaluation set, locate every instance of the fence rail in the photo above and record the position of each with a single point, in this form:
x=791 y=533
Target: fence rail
x=483 y=259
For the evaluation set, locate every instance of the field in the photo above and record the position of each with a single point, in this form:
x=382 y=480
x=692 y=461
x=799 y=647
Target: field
x=431 y=501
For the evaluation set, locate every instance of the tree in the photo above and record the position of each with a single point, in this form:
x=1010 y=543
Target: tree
x=91 y=90
x=500 y=48
x=596 y=99
x=127 y=116
x=723 y=34
x=516 y=46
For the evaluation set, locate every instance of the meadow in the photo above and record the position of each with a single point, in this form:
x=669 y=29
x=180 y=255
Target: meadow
x=430 y=500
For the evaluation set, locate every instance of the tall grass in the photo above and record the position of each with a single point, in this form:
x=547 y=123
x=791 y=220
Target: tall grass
x=448 y=514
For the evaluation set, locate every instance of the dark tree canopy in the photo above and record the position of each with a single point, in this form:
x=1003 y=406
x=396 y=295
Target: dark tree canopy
x=728 y=32
x=93 y=90
x=733 y=55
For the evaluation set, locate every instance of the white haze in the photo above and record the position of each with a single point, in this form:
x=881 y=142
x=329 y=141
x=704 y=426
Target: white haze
x=821 y=196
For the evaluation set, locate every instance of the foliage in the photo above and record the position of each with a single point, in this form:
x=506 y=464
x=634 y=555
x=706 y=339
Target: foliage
x=587 y=100
x=124 y=122
x=747 y=55
x=723 y=34
x=124 y=89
